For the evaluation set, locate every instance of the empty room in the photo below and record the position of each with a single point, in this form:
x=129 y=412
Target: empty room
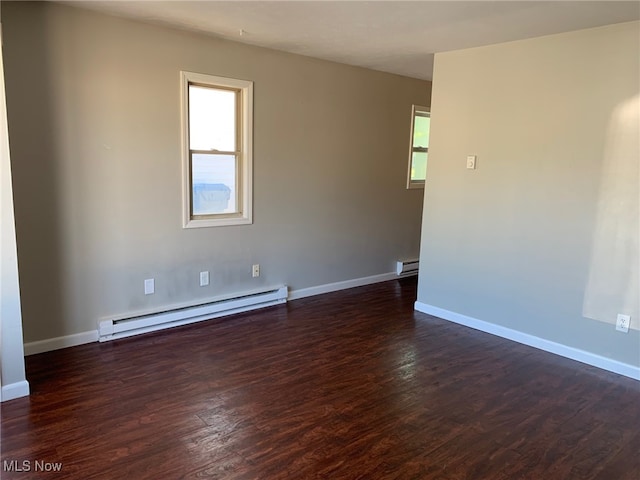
x=320 y=239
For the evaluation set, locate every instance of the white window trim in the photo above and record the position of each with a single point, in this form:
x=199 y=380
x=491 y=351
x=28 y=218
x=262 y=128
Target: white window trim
x=414 y=183
x=245 y=158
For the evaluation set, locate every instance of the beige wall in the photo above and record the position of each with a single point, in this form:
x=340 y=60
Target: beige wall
x=542 y=237
x=93 y=106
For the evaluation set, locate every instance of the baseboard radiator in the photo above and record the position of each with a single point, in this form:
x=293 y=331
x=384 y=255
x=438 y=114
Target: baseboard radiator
x=135 y=325
x=404 y=268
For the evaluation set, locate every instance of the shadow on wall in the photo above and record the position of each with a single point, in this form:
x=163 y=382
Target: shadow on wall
x=612 y=285
x=36 y=177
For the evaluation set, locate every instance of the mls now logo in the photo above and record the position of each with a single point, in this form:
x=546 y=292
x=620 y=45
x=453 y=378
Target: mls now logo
x=28 y=466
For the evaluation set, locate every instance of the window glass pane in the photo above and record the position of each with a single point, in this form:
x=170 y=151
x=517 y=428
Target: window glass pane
x=212 y=119
x=418 y=166
x=213 y=184
x=421 y=131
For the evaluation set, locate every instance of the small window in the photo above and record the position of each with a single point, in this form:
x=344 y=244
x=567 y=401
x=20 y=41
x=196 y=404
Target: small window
x=217 y=137
x=419 y=148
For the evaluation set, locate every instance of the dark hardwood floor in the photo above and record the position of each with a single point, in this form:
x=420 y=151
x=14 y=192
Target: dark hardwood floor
x=348 y=385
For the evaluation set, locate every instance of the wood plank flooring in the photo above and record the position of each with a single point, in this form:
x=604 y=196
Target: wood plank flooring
x=348 y=385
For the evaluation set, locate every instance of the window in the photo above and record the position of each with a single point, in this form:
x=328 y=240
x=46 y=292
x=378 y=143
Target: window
x=419 y=148
x=217 y=121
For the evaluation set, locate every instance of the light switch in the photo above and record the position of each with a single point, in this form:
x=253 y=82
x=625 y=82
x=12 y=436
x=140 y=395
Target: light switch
x=471 y=162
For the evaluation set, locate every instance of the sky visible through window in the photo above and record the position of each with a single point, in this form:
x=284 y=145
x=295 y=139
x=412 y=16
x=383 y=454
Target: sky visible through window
x=212 y=127
x=421 y=128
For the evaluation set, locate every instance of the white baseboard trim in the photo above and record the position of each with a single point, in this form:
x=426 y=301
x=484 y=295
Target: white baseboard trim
x=57 y=343
x=334 y=287
x=583 y=356
x=14 y=390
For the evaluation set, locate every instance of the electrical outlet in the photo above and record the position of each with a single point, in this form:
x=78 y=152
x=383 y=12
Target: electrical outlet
x=149 y=286
x=255 y=272
x=622 y=323
x=204 y=279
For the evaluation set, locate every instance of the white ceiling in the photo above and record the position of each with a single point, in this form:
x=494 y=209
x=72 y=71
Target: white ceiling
x=392 y=36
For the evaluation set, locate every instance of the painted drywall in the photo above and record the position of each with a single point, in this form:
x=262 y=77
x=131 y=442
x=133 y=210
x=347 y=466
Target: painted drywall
x=94 y=123
x=512 y=243
x=12 y=371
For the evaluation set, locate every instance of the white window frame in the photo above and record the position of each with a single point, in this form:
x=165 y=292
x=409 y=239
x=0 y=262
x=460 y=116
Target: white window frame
x=244 y=154
x=419 y=111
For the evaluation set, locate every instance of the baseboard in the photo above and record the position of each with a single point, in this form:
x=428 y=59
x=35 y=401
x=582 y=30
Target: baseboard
x=583 y=356
x=14 y=390
x=57 y=343
x=334 y=287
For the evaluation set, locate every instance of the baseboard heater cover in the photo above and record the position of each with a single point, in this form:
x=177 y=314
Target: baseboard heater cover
x=407 y=267
x=135 y=325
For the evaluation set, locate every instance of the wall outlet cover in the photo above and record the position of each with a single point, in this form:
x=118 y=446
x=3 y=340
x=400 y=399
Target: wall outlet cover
x=622 y=323
x=149 y=286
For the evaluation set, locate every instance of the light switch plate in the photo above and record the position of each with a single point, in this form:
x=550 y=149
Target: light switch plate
x=471 y=162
